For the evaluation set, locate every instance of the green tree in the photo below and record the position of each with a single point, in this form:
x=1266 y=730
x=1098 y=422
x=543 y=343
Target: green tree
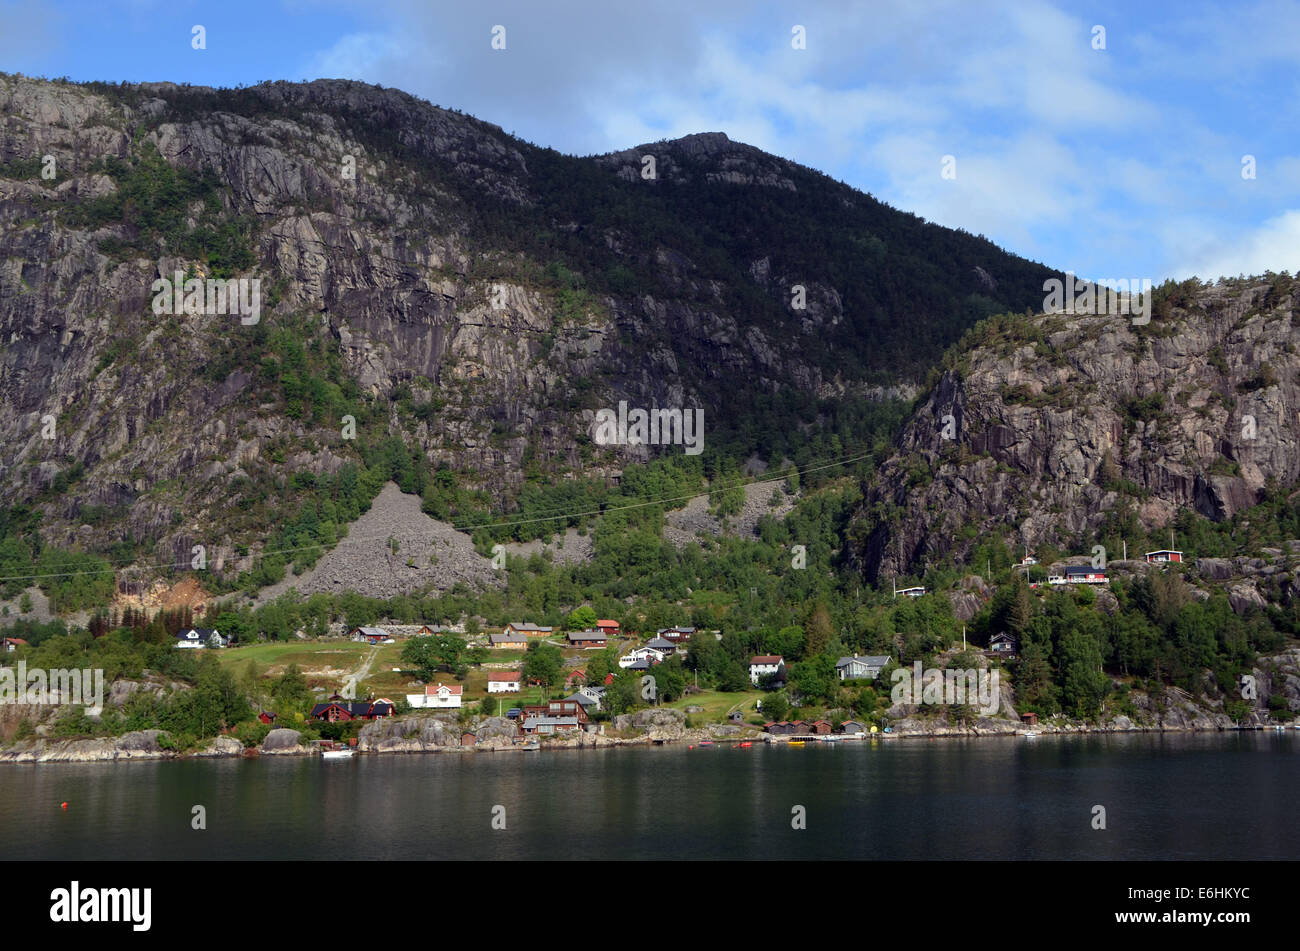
x=581 y=619
x=543 y=662
x=817 y=631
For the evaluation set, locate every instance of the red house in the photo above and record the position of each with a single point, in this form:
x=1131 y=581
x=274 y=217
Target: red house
x=609 y=627
x=341 y=710
x=1164 y=555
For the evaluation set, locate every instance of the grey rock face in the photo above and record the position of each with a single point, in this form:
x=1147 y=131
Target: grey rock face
x=282 y=740
x=1050 y=421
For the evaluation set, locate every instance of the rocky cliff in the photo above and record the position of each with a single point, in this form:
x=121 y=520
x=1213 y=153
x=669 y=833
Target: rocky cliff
x=1040 y=428
x=424 y=274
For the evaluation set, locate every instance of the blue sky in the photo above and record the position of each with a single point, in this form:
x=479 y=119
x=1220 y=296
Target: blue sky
x=1117 y=162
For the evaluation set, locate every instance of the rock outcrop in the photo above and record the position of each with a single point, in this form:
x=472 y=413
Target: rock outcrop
x=1043 y=425
x=467 y=293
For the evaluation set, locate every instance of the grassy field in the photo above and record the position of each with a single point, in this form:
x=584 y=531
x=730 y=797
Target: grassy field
x=717 y=704
x=272 y=658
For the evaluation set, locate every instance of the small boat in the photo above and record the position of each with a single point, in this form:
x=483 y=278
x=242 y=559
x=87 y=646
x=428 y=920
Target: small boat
x=795 y=743
x=336 y=754
x=746 y=744
x=706 y=742
x=1030 y=734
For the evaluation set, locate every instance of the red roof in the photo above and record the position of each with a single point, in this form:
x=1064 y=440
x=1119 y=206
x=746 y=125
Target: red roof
x=15 y=640
x=432 y=689
x=607 y=623
x=767 y=659
x=504 y=676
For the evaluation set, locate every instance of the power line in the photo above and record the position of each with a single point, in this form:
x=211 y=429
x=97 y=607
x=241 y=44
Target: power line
x=466 y=526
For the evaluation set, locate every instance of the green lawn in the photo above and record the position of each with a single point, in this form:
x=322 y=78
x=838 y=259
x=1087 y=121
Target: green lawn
x=315 y=654
x=717 y=704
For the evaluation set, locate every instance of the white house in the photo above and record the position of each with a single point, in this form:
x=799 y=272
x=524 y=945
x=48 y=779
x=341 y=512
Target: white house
x=594 y=694
x=436 y=695
x=196 y=637
x=503 y=681
x=861 y=668
x=648 y=654
x=765 y=664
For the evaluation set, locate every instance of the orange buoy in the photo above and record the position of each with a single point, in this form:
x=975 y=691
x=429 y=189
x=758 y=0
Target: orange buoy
x=65 y=805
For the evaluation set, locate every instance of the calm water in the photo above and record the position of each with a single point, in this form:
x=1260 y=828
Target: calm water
x=1228 y=796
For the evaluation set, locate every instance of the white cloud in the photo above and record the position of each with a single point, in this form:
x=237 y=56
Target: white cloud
x=1273 y=246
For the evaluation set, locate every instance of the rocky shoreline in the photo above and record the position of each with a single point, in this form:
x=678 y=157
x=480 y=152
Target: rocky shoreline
x=433 y=734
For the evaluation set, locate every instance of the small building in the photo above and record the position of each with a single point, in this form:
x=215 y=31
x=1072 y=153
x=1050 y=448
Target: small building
x=508 y=641
x=546 y=724
x=1163 y=555
x=913 y=592
x=1029 y=719
x=595 y=694
x=853 y=727
x=198 y=637
x=785 y=728
x=576 y=677
x=514 y=713
x=819 y=727
x=503 y=681
x=641 y=658
x=663 y=645
x=369 y=635
x=764 y=665
x=1084 y=574
x=609 y=627
x=867 y=667
x=336 y=711
x=588 y=704
x=438 y=695
x=558 y=708
x=676 y=634
x=11 y=644
x=267 y=717
x=528 y=629
x=588 y=640
x=468 y=739
x=1004 y=643
x=735 y=716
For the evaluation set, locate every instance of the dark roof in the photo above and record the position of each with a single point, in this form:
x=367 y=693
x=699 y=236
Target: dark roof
x=871 y=660
x=358 y=708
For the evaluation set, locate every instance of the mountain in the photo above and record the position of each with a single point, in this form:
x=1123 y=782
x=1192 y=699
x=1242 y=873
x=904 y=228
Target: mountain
x=465 y=299
x=1072 y=430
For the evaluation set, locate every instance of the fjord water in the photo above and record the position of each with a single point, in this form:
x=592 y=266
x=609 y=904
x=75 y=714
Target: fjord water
x=1211 y=796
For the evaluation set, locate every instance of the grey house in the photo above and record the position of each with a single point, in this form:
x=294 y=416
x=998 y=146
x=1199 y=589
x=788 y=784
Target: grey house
x=866 y=667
